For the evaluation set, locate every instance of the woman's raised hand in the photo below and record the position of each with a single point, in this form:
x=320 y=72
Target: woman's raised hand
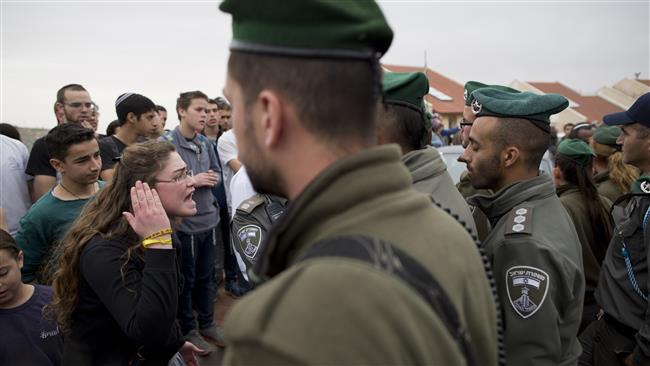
x=148 y=215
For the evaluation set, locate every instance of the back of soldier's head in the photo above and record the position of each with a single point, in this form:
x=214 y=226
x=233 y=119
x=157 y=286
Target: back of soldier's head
x=321 y=57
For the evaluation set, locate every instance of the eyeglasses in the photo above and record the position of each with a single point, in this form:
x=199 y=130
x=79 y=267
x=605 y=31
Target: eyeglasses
x=465 y=123
x=77 y=105
x=178 y=179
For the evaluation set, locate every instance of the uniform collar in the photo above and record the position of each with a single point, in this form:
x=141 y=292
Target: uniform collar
x=344 y=184
x=498 y=204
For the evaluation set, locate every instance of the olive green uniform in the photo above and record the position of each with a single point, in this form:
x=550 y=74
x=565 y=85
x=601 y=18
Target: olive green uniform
x=429 y=174
x=593 y=248
x=606 y=187
x=537 y=263
x=621 y=302
x=339 y=311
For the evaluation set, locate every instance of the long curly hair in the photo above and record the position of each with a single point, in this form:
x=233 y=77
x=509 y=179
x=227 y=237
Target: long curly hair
x=621 y=174
x=103 y=216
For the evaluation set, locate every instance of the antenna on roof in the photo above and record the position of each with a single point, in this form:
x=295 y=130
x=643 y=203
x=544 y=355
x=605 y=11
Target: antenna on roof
x=424 y=69
x=636 y=75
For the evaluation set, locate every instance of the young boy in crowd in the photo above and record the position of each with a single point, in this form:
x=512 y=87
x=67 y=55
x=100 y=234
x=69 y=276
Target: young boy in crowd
x=74 y=154
x=27 y=337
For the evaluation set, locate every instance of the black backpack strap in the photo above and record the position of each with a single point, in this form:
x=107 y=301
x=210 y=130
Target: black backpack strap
x=392 y=260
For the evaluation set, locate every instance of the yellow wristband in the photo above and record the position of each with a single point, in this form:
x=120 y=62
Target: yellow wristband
x=147 y=242
x=158 y=233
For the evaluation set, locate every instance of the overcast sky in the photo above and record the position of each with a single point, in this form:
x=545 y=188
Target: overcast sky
x=160 y=48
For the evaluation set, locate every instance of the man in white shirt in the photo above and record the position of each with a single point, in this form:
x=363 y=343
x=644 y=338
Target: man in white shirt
x=227 y=149
x=14 y=193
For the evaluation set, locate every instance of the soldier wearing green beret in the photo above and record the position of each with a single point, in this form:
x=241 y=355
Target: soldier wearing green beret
x=464 y=185
x=612 y=177
x=622 y=334
x=403 y=121
x=346 y=274
x=533 y=246
x=589 y=212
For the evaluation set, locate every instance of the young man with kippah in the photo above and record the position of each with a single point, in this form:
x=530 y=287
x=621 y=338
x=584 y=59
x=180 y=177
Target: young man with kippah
x=402 y=120
x=622 y=333
x=533 y=246
x=304 y=81
x=138 y=120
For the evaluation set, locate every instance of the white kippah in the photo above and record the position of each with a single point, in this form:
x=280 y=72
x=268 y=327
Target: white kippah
x=122 y=98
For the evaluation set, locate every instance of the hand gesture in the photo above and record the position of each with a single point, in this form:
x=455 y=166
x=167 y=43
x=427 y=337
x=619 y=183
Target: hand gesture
x=148 y=214
x=189 y=352
x=207 y=179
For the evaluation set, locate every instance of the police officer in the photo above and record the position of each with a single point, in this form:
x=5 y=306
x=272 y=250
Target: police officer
x=250 y=224
x=403 y=121
x=304 y=82
x=465 y=185
x=589 y=212
x=612 y=177
x=533 y=247
x=622 y=335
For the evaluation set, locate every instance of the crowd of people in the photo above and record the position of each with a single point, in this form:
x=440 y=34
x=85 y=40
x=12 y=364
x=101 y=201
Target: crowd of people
x=313 y=192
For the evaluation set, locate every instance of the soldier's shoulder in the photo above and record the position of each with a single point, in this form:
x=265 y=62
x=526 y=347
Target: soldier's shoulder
x=248 y=205
x=519 y=221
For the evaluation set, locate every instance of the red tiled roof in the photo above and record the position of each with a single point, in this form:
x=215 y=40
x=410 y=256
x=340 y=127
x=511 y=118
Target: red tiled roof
x=645 y=81
x=593 y=107
x=442 y=83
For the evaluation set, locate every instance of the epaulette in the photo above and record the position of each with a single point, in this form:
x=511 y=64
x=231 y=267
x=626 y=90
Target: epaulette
x=248 y=205
x=520 y=220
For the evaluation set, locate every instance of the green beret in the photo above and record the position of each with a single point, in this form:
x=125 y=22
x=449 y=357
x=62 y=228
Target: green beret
x=407 y=89
x=471 y=86
x=607 y=135
x=535 y=108
x=319 y=29
x=576 y=150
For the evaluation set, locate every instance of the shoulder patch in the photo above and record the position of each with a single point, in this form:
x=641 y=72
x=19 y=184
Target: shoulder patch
x=248 y=205
x=520 y=221
x=527 y=288
x=250 y=238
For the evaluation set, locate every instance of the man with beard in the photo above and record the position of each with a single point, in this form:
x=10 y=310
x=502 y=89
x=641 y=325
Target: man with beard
x=622 y=333
x=403 y=121
x=304 y=83
x=533 y=246
x=75 y=155
x=73 y=105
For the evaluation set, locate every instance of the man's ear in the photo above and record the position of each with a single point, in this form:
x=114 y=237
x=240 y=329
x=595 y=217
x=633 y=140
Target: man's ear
x=131 y=118
x=272 y=114
x=20 y=259
x=57 y=165
x=511 y=155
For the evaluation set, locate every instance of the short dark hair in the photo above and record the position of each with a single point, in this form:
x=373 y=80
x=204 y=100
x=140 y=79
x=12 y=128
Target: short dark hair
x=336 y=100
x=530 y=139
x=185 y=99
x=61 y=137
x=9 y=131
x=404 y=126
x=60 y=94
x=160 y=108
x=134 y=103
x=110 y=130
x=221 y=103
x=9 y=244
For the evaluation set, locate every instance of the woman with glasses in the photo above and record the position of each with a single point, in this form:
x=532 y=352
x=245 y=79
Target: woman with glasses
x=589 y=211
x=116 y=290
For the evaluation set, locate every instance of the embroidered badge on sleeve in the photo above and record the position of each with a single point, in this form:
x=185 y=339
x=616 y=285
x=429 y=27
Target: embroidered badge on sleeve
x=527 y=288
